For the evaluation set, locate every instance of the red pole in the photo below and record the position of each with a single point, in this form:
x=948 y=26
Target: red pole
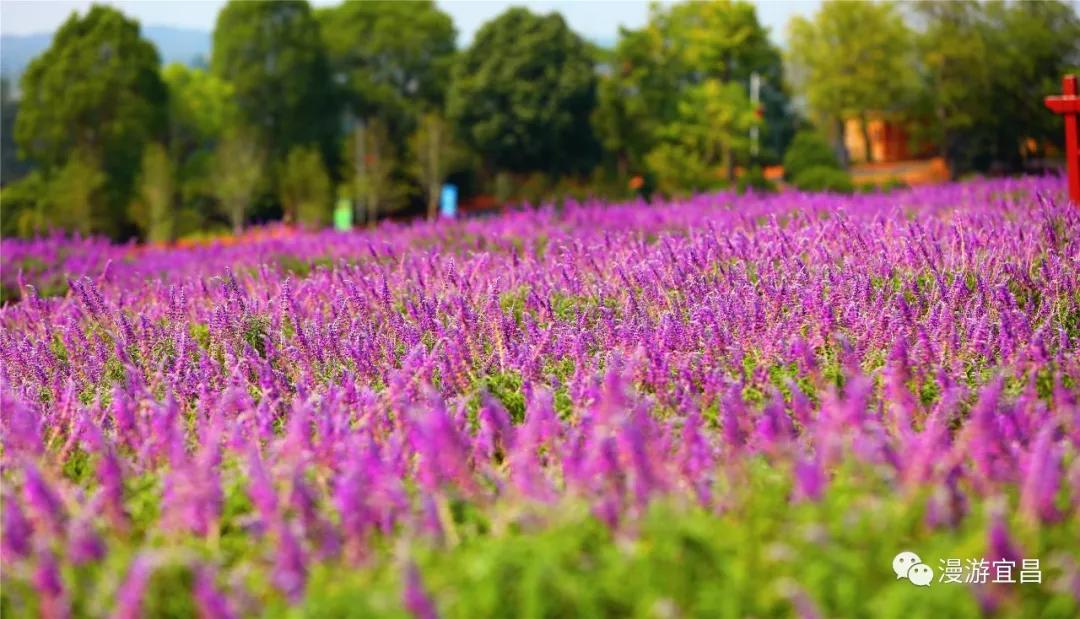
x=1068 y=105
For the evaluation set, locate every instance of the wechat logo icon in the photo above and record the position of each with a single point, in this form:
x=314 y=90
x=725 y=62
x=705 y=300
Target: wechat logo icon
x=908 y=565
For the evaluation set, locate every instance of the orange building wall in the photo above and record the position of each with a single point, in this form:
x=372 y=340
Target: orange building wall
x=888 y=140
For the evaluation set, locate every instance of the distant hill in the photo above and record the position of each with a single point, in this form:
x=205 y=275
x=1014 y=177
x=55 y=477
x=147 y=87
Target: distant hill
x=184 y=45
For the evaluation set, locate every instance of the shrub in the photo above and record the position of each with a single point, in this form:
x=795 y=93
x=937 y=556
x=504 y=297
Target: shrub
x=894 y=184
x=808 y=150
x=755 y=179
x=823 y=178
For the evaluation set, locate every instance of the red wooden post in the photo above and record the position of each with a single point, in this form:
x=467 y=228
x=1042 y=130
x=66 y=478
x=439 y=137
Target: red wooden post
x=1068 y=105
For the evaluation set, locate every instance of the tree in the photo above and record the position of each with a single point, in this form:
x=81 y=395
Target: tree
x=711 y=127
x=635 y=97
x=272 y=55
x=850 y=59
x=152 y=209
x=22 y=206
x=305 y=188
x=523 y=92
x=96 y=91
x=716 y=118
x=717 y=40
x=1008 y=54
x=431 y=151
x=808 y=150
x=75 y=194
x=236 y=172
x=954 y=71
x=13 y=168
x=371 y=162
x=201 y=109
x=679 y=170
x=681 y=47
x=393 y=59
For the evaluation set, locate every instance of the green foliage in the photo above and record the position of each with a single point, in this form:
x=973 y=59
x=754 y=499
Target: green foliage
x=272 y=55
x=823 y=178
x=394 y=57
x=894 y=184
x=201 y=110
x=850 y=59
x=710 y=127
x=12 y=167
x=523 y=92
x=633 y=99
x=95 y=95
x=1010 y=54
x=506 y=387
x=201 y=107
x=75 y=194
x=305 y=188
x=433 y=152
x=679 y=170
x=169 y=592
x=754 y=179
x=22 y=206
x=766 y=556
x=236 y=172
x=152 y=209
x=644 y=93
x=808 y=150
x=371 y=161
x=255 y=331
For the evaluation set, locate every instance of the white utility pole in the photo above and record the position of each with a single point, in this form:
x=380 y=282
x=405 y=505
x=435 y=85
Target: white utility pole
x=755 y=99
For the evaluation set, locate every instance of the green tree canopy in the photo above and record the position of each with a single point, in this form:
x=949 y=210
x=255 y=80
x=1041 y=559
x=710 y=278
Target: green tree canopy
x=201 y=107
x=681 y=47
x=433 y=152
x=95 y=91
x=523 y=92
x=152 y=210
x=201 y=110
x=808 y=149
x=985 y=68
x=305 y=188
x=272 y=55
x=12 y=168
x=393 y=59
x=236 y=171
x=371 y=162
x=851 y=58
x=711 y=127
x=635 y=96
x=716 y=40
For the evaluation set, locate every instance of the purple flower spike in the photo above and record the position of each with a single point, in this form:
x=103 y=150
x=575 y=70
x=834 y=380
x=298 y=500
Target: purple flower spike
x=1042 y=477
x=84 y=543
x=415 y=597
x=16 y=536
x=290 y=567
x=50 y=587
x=809 y=479
x=43 y=500
x=211 y=603
x=129 y=597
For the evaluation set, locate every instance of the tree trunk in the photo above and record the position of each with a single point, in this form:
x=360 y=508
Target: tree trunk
x=840 y=145
x=728 y=162
x=865 y=123
x=434 y=139
x=433 y=202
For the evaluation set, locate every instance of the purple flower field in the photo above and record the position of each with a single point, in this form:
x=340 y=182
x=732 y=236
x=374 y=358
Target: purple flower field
x=723 y=406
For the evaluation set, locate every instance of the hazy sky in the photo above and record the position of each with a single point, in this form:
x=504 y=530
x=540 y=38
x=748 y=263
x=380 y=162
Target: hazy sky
x=596 y=19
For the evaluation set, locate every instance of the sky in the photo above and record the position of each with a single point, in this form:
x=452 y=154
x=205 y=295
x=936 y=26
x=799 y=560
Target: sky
x=598 y=20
